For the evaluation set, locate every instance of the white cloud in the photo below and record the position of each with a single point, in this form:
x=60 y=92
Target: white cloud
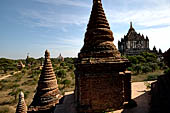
x=49 y=18
x=144 y=18
x=160 y=37
x=153 y=21
x=65 y=2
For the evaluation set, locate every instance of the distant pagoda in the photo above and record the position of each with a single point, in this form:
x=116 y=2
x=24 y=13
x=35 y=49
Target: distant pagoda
x=47 y=93
x=101 y=81
x=21 y=107
x=133 y=43
x=60 y=58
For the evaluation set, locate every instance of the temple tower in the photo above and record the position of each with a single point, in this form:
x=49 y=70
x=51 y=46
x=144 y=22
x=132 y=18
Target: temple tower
x=133 y=43
x=99 y=83
x=47 y=93
x=21 y=107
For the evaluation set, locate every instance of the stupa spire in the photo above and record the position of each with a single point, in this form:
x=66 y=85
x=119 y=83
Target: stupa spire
x=97 y=18
x=21 y=107
x=98 y=66
x=47 y=93
x=98 y=36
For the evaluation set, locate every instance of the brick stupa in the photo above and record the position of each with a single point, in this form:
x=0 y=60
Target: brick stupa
x=21 y=107
x=99 y=83
x=47 y=93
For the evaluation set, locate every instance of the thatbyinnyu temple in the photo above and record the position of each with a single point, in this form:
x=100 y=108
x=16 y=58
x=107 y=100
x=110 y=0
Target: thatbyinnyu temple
x=133 y=43
x=102 y=82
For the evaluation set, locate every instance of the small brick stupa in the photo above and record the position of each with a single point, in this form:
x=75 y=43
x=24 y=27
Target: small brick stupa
x=100 y=70
x=21 y=107
x=47 y=93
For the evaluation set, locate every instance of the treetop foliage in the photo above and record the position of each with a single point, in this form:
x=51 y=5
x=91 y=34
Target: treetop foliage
x=146 y=62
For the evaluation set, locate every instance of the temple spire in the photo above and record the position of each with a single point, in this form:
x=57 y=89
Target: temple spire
x=47 y=93
x=131 y=29
x=21 y=107
x=131 y=25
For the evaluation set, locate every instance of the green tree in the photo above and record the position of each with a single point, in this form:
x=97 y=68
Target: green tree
x=62 y=64
x=146 y=69
x=138 y=68
x=153 y=66
x=141 y=59
x=61 y=73
x=66 y=83
x=133 y=59
x=167 y=71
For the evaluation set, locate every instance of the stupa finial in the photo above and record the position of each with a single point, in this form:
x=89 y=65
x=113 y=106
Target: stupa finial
x=131 y=25
x=96 y=1
x=47 y=54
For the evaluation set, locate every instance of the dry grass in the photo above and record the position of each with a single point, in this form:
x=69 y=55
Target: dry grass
x=8 y=102
x=147 y=77
x=27 y=82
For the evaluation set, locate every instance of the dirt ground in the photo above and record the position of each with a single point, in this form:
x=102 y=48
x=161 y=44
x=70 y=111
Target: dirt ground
x=141 y=95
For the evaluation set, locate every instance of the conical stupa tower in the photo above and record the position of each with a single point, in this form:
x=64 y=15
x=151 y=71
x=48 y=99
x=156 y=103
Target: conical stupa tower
x=99 y=84
x=98 y=37
x=47 y=93
x=21 y=107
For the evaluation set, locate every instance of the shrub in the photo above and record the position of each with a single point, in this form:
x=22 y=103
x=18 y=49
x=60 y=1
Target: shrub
x=66 y=82
x=63 y=64
x=150 y=78
x=153 y=66
x=26 y=93
x=141 y=59
x=146 y=69
x=148 y=85
x=72 y=75
x=132 y=59
x=71 y=66
x=137 y=68
x=167 y=71
x=130 y=69
x=15 y=92
x=61 y=73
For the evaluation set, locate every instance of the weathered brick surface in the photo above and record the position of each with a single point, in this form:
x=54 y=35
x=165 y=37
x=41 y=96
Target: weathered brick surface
x=100 y=92
x=21 y=107
x=47 y=94
x=99 y=86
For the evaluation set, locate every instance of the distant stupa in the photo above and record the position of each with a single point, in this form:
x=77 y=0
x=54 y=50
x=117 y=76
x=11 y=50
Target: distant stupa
x=60 y=58
x=21 y=107
x=47 y=94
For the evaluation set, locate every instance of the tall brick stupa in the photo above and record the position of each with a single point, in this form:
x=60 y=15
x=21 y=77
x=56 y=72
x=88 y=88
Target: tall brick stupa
x=102 y=84
x=47 y=93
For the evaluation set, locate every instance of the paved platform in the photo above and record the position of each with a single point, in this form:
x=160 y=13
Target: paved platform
x=139 y=93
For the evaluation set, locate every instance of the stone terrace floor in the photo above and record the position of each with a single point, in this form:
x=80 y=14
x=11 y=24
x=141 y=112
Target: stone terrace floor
x=139 y=93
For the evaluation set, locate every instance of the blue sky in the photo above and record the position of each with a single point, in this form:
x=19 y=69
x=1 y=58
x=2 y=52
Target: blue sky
x=32 y=26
